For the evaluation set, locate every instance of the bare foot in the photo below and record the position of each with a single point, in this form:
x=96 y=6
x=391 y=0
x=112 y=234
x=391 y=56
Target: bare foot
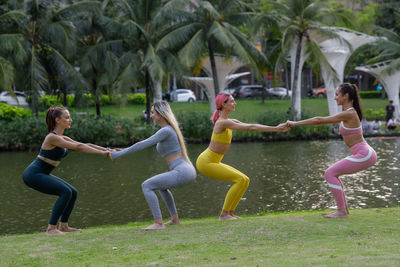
x=172 y=223
x=54 y=232
x=154 y=226
x=227 y=218
x=337 y=214
x=69 y=229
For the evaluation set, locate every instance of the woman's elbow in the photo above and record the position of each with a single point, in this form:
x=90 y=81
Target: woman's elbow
x=80 y=147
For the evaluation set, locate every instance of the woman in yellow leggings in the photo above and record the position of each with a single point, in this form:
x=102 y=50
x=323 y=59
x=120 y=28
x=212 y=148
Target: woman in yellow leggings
x=209 y=162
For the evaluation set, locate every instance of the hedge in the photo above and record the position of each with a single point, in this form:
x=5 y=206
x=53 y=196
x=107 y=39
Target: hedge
x=8 y=112
x=86 y=100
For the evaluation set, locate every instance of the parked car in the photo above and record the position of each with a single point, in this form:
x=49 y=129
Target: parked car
x=318 y=92
x=8 y=98
x=279 y=92
x=249 y=91
x=182 y=95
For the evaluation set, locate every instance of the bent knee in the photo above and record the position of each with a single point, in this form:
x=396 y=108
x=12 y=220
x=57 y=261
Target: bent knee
x=244 y=180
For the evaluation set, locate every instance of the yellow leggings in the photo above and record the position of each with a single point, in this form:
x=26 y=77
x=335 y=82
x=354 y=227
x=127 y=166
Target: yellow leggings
x=209 y=163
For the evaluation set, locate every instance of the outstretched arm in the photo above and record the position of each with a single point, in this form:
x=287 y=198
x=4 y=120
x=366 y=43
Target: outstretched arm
x=151 y=141
x=89 y=144
x=342 y=116
x=236 y=125
x=68 y=143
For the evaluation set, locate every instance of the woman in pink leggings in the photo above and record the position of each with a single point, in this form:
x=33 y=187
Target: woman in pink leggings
x=363 y=156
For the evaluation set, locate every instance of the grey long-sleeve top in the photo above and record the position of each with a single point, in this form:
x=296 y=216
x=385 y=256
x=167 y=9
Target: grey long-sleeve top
x=165 y=138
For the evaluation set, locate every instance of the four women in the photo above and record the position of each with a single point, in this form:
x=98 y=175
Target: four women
x=171 y=146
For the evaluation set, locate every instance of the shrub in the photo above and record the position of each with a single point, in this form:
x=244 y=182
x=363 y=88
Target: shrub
x=137 y=99
x=370 y=94
x=195 y=126
x=28 y=133
x=8 y=112
x=372 y=114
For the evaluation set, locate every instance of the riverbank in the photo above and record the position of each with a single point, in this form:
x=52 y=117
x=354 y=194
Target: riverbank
x=369 y=237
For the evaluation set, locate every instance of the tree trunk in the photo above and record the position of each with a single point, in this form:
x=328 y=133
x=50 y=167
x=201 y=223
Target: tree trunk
x=147 y=81
x=213 y=67
x=157 y=96
x=95 y=96
x=296 y=94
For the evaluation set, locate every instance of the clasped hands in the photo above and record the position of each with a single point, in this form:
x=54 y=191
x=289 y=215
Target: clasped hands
x=285 y=126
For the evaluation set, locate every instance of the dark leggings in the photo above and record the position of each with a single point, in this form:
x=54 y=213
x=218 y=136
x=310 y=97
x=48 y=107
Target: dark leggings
x=37 y=176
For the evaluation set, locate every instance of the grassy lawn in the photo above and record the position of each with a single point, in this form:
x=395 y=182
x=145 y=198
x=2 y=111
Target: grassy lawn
x=369 y=237
x=246 y=110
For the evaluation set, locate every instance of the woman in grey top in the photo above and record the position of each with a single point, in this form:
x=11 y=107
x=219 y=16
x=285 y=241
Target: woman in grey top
x=171 y=146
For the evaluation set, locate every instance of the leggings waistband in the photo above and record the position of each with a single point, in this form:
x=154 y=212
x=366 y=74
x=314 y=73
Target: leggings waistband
x=176 y=162
x=44 y=166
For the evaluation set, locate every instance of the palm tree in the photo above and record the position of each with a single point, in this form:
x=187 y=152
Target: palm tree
x=48 y=37
x=205 y=28
x=12 y=51
x=100 y=49
x=301 y=24
x=144 y=22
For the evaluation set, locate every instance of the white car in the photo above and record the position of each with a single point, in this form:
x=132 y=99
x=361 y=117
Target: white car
x=279 y=92
x=182 y=95
x=18 y=100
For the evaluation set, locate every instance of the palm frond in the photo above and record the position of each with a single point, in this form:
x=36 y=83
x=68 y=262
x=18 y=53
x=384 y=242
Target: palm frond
x=70 y=77
x=177 y=37
x=7 y=74
x=153 y=64
x=193 y=49
x=11 y=46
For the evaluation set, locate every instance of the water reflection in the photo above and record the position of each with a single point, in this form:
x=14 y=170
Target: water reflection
x=284 y=176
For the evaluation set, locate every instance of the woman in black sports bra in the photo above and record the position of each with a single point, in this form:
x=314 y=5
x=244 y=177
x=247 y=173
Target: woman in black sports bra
x=37 y=175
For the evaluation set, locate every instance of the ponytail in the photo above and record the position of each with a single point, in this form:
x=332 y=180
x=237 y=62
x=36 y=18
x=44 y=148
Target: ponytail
x=219 y=100
x=354 y=96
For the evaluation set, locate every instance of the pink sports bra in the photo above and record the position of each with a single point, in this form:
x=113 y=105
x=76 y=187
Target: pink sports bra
x=344 y=131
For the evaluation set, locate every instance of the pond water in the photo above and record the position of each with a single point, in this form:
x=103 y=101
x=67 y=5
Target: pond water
x=284 y=176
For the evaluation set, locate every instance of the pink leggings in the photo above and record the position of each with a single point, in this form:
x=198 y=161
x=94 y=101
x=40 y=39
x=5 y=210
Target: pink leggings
x=363 y=156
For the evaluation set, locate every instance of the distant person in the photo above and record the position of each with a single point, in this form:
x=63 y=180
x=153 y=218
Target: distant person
x=363 y=156
x=209 y=162
x=171 y=146
x=389 y=111
x=376 y=126
x=37 y=175
x=365 y=125
x=392 y=124
x=379 y=88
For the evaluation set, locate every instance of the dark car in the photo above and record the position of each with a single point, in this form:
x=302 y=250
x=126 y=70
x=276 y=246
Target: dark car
x=249 y=91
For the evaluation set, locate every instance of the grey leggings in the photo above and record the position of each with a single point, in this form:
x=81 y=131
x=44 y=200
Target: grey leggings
x=181 y=172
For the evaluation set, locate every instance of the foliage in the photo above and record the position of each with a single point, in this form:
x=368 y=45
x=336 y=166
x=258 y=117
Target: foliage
x=28 y=133
x=373 y=114
x=86 y=100
x=370 y=94
x=8 y=112
x=195 y=126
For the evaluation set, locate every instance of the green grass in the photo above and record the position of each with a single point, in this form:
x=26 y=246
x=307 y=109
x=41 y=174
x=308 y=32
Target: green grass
x=246 y=110
x=369 y=237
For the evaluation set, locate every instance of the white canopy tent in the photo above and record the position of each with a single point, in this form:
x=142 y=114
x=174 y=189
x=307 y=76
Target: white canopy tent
x=225 y=72
x=391 y=82
x=337 y=53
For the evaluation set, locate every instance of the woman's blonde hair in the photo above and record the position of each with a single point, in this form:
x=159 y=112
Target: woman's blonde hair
x=162 y=107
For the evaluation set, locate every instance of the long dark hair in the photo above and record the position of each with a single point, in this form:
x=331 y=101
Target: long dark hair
x=52 y=113
x=352 y=90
